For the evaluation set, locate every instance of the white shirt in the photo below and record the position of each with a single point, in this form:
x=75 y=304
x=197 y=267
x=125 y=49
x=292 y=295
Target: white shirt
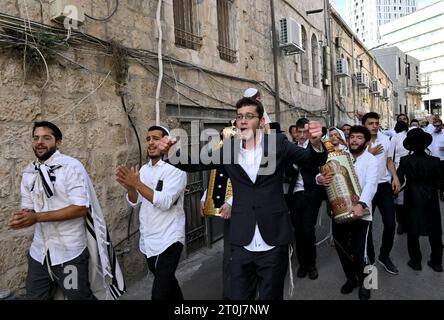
x=250 y=161
x=162 y=222
x=430 y=128
x=65 y=240
x=366 y=168
x=398 y=147
x=299 y=186
x=437 y=143
x=383 y=173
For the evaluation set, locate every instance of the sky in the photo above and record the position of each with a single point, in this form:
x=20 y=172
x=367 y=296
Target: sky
x=340 y=5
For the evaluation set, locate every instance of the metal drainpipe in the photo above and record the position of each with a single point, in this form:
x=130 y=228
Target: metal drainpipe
x=332 y=65
x=354 y=80
x=277 y=108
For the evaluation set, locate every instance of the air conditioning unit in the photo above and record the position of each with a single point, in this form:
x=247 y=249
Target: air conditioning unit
x=385 y=94
x=66 y=9
x=362 y=79
x=341 y=68
x=290 y=40
x=375 y=88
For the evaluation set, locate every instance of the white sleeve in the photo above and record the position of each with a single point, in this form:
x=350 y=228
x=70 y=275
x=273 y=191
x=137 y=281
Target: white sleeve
x=174 y=184
x=371 y=182
x=204 y=197
x=76 y=187
x=26 y=202
x=133 y=204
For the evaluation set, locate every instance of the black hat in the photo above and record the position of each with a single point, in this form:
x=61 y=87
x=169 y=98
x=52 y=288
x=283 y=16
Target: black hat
x=276 y=126
x=417 y=140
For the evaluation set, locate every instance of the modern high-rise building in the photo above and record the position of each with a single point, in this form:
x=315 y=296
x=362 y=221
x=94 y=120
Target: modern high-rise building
x=365 y=16
x=421 y=36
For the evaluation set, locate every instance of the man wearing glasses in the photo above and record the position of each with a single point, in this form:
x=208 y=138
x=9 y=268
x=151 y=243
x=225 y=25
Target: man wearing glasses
x=260 y=222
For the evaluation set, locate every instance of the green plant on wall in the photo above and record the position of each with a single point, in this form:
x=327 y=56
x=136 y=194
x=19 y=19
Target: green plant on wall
x=39 y=49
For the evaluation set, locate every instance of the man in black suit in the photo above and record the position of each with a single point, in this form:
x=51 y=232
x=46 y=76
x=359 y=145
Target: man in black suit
x=305 y=198
x=260 y=224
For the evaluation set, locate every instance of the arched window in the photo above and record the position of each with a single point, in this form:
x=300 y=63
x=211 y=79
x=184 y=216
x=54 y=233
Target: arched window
x=315 y=61
x=304 y=58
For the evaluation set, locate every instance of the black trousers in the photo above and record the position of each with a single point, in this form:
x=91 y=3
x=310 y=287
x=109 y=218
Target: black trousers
x=401 y=213
x=163 y=266
x=304 y=214
x=226 y=272
x=71 y=277
x=415 y=250
x=350 y=243
x=264 y=270
x=383 y=199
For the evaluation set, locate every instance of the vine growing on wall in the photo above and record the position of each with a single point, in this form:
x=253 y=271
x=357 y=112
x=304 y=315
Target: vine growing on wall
x=120 y=66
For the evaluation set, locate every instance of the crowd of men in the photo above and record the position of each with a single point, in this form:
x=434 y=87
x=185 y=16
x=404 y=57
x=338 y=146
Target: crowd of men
x=400 y=172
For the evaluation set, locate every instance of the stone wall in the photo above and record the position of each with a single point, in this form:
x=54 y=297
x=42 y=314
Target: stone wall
x=354 y=98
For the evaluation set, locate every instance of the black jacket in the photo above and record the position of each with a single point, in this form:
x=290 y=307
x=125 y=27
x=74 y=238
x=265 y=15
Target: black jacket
x=423 y=175
x=261 y=202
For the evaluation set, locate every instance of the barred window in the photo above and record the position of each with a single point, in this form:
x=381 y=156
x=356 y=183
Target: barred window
x=304 y=58
x=185 y=24
x=225 y=25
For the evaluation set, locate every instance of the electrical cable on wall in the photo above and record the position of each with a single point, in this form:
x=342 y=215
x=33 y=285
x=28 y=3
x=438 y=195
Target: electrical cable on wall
x=159 y=57
x=105 y=18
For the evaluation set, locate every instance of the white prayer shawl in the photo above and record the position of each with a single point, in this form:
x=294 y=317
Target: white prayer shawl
x=105 y=276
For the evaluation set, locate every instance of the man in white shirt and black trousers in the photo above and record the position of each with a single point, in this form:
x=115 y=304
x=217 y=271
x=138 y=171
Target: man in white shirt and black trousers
x=351 y=237
x=260 y=222
x=160 y=188
x=388 y=185
x=55 y=200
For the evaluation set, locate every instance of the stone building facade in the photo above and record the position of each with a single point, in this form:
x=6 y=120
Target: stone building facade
x=352 y=93
x=96 y=78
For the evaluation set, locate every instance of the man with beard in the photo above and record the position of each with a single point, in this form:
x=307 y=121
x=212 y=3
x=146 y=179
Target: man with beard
x=351 y=237
x=388 y=185
x=57 y=195
x=160 y=188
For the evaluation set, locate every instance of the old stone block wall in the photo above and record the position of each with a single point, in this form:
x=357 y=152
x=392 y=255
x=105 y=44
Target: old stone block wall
x=80 y=96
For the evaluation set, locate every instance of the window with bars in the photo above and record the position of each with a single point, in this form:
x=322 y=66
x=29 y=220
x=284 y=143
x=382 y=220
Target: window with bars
x=185 y=24
x=225 y=25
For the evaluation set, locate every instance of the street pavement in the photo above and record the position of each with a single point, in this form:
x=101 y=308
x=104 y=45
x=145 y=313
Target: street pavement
x=200 y=275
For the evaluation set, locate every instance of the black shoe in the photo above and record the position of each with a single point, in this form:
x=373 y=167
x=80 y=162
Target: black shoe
x=435 y=267
x=349 y=286
x=400 y=229
x=364 y=294
x=302 y=272
x=388 y=265
x=414 y=265
x=312 y=273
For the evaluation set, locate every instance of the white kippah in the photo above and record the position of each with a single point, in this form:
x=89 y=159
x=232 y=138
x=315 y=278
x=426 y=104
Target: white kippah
x=250 y=92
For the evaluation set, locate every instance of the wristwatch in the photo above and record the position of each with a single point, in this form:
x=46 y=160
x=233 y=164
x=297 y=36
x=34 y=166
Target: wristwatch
x=363 y=204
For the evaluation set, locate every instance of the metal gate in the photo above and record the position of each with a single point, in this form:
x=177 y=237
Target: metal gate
x=199 y=231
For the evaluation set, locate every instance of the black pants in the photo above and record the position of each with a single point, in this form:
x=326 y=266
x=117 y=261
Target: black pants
x=163 y=266
x=226 y=272
x=415 y=250
x=304 y=214
x=350 y=243
x=383 y=199
x=264 y=270
x=71 y=277
x=401 y=213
